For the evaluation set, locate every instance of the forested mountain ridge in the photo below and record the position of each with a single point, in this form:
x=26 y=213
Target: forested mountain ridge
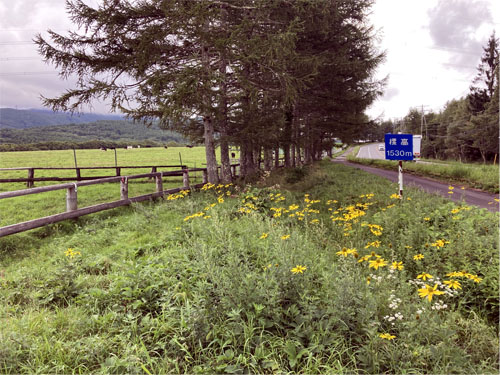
x=29 y=118
x=90 y=135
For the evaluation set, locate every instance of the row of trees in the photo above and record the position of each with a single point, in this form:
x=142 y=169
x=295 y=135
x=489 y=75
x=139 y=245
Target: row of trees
x=468 y=128
x=260 y=74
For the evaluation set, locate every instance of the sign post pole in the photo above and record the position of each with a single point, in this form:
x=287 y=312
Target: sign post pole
x=399 y=147
x=400 y=179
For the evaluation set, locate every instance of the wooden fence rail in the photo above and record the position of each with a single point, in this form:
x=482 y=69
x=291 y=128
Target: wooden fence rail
x=72 y=210
x=31 y=179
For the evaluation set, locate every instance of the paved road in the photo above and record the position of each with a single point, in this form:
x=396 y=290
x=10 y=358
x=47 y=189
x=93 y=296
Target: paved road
x=370 y=151
x=470 y=196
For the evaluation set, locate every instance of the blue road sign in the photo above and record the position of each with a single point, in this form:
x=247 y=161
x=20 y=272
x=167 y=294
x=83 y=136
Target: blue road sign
x=399 y=147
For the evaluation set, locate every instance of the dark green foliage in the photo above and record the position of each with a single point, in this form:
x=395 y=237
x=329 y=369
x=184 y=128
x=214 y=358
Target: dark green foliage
x=89 y=135
x=265 y=75
x=296 y=174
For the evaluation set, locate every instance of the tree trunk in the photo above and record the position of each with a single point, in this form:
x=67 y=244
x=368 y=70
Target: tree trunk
x=277 y=157
x=212 y=174
x=268 y=158
x=208 y=126
x=223 y=126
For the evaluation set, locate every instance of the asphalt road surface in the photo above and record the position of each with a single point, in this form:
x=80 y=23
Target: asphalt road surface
x=470 y=196
x=371 y=151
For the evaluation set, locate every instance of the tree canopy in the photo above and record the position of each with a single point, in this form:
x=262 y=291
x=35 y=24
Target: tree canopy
x=261 y=74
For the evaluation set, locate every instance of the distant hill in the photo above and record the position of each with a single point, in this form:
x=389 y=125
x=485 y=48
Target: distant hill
x=103 y=131
x=29 y=118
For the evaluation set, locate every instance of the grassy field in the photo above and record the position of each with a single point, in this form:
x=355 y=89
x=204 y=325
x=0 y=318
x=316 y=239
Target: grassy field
x=475 y=175
x=326 y=272
x=20 y=209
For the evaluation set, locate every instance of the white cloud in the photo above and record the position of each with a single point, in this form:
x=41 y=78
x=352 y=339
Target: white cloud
x=433 y=48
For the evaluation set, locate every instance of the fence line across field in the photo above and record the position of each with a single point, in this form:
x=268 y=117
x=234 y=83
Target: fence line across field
x=72 y=210
x=30 y=180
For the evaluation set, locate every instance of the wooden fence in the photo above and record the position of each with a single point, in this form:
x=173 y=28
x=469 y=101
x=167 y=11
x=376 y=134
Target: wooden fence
x=30 y=180
x=72 y=210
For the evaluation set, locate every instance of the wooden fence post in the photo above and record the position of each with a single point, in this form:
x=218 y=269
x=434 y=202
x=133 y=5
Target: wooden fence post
x=31 y=175
x=118 y=169
x=124 y=188
x=205 y=176
x=71 y=199
x=78 y=176
x=159 y=184
x=185 y=179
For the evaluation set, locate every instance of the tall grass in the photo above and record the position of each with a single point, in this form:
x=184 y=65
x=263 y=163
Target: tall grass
x=256 y=280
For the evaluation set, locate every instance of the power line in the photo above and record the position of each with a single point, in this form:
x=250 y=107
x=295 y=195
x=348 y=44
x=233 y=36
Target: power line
x=19 y=58
x=17 y=43
x=25 y=73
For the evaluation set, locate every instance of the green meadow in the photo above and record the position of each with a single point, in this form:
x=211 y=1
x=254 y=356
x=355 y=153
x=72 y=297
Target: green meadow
x=320 y=269
x=13 y=210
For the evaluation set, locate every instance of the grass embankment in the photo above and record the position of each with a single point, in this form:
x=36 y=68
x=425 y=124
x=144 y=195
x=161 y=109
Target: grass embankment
x=475 y=175
x=321 y=278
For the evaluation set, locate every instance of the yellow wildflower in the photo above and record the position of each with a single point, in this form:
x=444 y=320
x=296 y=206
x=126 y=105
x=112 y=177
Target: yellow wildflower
x=397 y=266
x=379 y=262
x=418 y=257
x=343 y=252
x=71 y=253
x=386 y=336
x=424 y=276
x=285 y=237
x=372 y=244
x=453 y=284
x=363 y=259
x=429 y=291
x=263 y=236
x=298 y=269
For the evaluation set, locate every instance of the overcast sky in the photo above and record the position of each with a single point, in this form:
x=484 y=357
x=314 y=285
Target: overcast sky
x=433 y=49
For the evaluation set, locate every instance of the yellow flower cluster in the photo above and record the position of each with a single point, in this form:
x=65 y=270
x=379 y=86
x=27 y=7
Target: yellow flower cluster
x=352 y=213
x=439 y=243
x=374 y=228
x=367 y=196
x=386 y=336
x=345 y=252
x=372 y=244
x=179 y=195
x=276 y=197
x=70 y=253
x=198 y=214
x=467 y=275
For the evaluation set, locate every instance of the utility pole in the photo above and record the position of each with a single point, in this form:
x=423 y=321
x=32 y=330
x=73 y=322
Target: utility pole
x=423 y=122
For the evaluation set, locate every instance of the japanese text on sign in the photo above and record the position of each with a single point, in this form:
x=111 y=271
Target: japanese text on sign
x=399 y=146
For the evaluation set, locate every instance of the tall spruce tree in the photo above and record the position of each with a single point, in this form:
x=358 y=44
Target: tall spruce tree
x=262 y=74
x=483 y=85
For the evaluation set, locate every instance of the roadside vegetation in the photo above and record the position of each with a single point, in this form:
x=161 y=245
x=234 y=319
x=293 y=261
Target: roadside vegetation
x=480 y=176
x=327 y=272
